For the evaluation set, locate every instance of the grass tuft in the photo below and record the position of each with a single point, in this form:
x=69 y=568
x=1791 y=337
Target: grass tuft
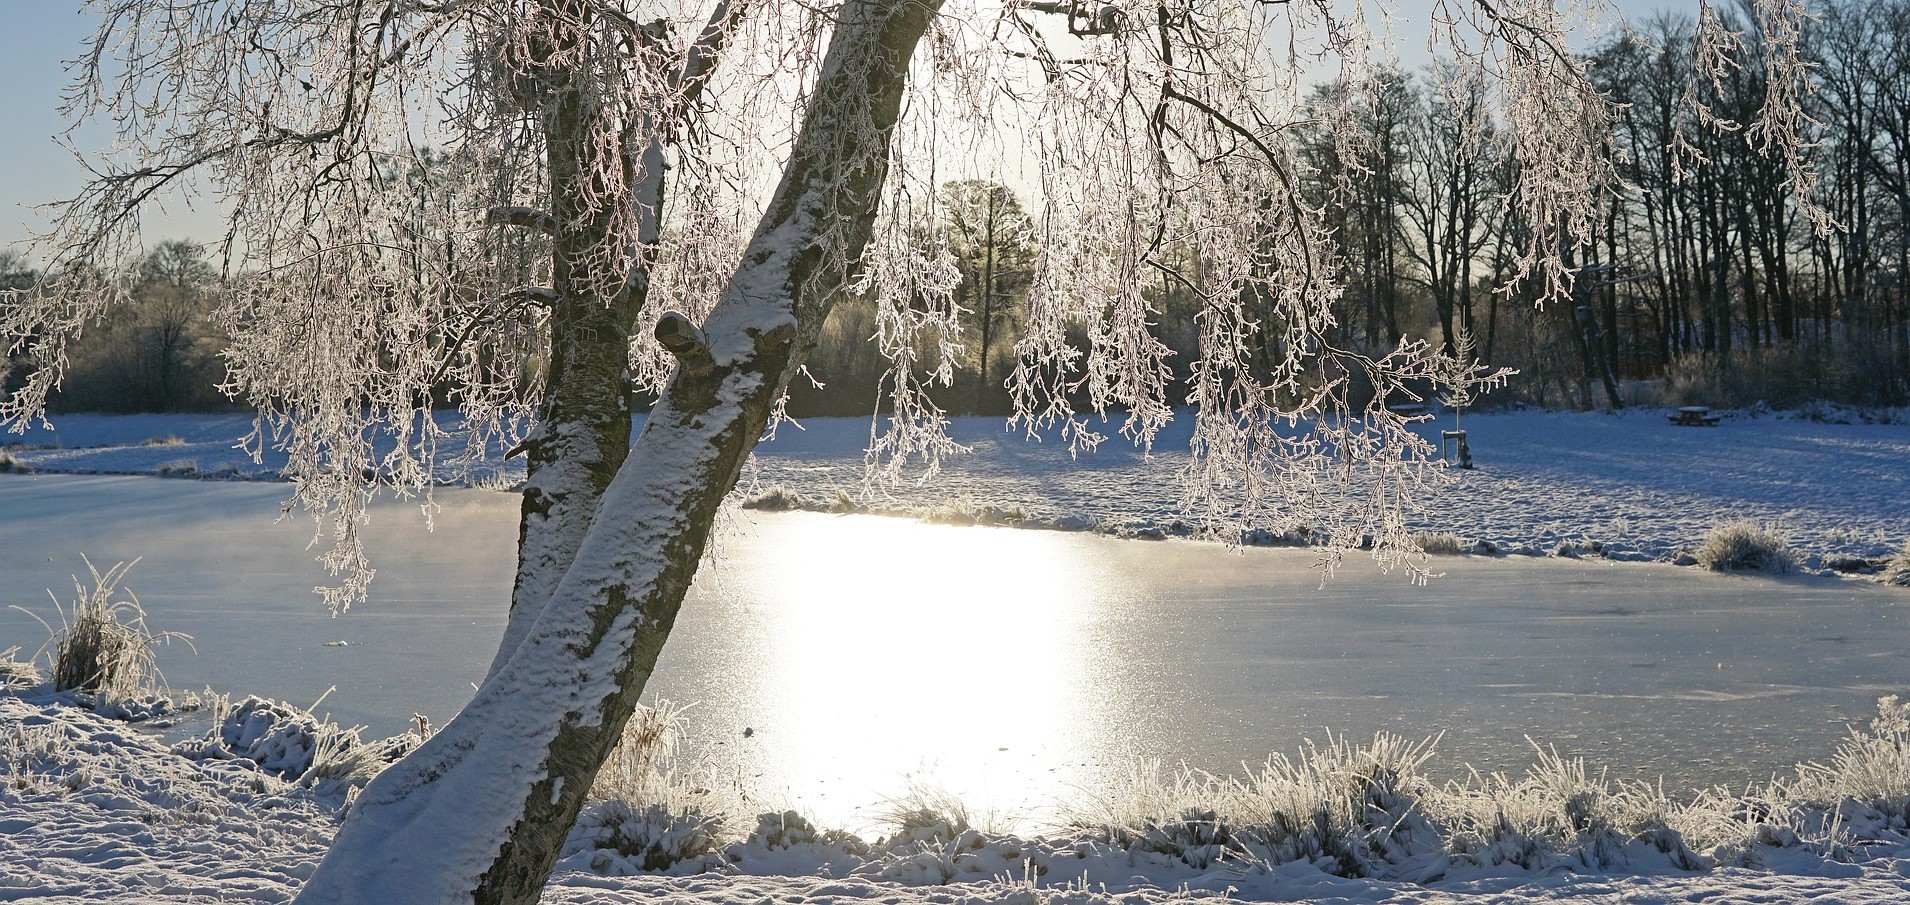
x=178 y=468
x=1896 y=571
x=11 y=465
x=649 y=811
x=1871 y=768
x=103 y=646
x=775 y=499
x=923 y=813
x=1745 y=546
x=17 y=673
x=1439 y=543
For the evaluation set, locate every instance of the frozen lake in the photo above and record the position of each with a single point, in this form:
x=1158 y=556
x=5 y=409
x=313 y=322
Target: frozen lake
x=1008 y=667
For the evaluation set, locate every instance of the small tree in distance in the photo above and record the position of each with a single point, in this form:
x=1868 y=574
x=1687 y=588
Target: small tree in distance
x=157 y=351
x=993 y=241
x=634 y=215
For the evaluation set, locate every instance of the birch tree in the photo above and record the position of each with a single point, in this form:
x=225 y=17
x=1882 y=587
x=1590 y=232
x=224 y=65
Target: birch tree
x=671 y=197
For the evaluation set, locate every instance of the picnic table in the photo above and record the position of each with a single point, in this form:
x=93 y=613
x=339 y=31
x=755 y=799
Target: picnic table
x=1694 y=416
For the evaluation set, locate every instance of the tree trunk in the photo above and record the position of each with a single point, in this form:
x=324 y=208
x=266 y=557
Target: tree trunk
x=477 y=813
x=986 y=308
x=584 y=434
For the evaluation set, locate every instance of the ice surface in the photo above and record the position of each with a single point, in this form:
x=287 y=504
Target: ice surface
x=1011 y=666
x=1028 y=648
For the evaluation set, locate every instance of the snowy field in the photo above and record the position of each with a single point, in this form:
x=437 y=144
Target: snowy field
x=1629 y=487
x=95 y=810
x=100 y=810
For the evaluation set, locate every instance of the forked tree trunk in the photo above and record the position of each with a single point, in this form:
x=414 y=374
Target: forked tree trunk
x=477 y=813
x=586 y=417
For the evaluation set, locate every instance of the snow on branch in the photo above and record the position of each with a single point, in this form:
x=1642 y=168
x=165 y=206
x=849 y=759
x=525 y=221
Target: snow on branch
x=373 y=276
x=1176 y=166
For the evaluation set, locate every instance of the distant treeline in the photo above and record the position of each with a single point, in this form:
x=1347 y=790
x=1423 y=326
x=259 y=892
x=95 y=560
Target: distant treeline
x=1705 y=281
x=157 y=353
x=1705 y=270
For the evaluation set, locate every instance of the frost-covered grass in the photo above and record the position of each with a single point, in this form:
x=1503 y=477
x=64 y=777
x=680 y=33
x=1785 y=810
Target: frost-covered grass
x=103 y=646
x=1348 y=810
x=964 y=510
x=292 y=744
x=17 y=673
x=775 y=499
x=177 y=468
x=1896 y=570
x=650 y=809
x=1745 y=546
x=971 y=512
x=1439 y=543
x=1355 y=823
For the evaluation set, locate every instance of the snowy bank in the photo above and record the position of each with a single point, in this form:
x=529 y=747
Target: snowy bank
x=1627 y=486
x=99 y=810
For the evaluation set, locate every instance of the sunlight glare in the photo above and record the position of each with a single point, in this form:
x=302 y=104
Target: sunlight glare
x=949 y=648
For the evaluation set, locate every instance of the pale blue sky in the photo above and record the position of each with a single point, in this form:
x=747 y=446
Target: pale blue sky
x=37 y=35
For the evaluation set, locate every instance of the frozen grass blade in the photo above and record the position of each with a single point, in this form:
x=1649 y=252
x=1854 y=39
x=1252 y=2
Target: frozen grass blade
x=1896 y=572
x=1745 y=546
x=103 y=646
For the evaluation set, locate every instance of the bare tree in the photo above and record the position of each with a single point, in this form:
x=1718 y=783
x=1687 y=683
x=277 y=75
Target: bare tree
x=173 y=286
x=992 y=240
x=1163 y=136
x=1449 y=194
x=16 y=277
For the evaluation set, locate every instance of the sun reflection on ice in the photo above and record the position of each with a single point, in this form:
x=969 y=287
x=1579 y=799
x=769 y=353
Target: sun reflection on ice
x=962 y=652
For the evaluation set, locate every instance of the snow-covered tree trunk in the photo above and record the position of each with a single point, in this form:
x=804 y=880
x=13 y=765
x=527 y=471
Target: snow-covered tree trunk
x=478 y=812
x=584 y=433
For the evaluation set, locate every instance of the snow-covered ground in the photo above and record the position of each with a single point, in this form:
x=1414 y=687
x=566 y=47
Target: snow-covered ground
x=1630 y=486
x=97 y=810
x=94 y=809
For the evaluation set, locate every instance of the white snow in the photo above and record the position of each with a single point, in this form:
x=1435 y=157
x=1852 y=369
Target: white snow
x=95 y=810
x=1630 y=486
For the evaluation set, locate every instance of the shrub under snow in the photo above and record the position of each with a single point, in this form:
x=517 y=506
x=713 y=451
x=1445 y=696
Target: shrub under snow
x=617 y=838
x=1745 y=546
x=280 y=738
x=789 y=830
x=1896 y=572
x=296 y=746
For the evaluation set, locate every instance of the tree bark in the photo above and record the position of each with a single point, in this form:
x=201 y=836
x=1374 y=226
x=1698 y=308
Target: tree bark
x=478 y=812
x=584 y=433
